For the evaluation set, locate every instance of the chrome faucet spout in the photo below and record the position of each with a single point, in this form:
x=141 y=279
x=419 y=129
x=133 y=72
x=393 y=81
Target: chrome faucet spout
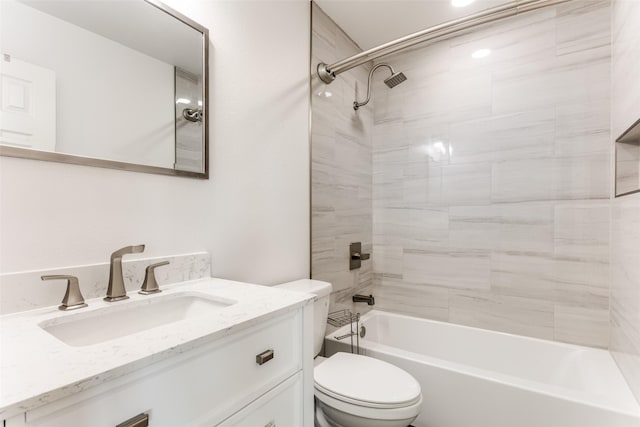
x=116 y=290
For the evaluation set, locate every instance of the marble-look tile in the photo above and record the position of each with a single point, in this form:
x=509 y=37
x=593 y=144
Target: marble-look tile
x=583 y=25
x=514 y=41
x=581 y=283
x=466 y=184
x=341 y=166
x=582 y=129
x=572 y=178
x=414 y=300
x=523 y=275
x=426 y=224
x=625 y=283
x=579 y=325
x=625 y=65
x=473 y=227
x=525 y=227
x=566 y=79
x=581 y=229
x=526 y=134
x=451 y=269
x=25 y=290
x=503 y=313
x=387 y=260
x=489 y=178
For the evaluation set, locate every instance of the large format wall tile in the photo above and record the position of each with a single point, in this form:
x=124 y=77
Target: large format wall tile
x=491 y=177
x=341 y=167
x=625 y=227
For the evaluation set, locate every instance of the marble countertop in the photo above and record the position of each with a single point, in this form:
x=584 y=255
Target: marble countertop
x=36 y=368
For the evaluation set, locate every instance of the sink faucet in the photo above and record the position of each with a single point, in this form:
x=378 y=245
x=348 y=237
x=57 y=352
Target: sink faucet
x=116 y=290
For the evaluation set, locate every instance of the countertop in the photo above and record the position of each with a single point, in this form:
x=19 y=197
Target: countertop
x=36 y=368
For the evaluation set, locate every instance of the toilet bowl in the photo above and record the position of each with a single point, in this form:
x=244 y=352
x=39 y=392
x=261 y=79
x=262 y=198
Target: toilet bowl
x=359 y=391
x=353 y=390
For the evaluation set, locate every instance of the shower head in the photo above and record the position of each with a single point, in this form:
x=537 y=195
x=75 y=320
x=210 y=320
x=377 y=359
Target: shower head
x=392 y=81
x=395 y=79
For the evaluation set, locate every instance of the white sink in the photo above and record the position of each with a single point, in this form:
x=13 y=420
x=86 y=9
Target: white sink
x=126 y=318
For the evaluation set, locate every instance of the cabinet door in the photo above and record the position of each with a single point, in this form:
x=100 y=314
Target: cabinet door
x=281 y=407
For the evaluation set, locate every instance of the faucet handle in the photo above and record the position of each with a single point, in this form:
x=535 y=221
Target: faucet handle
x=73 y=298
x=150 y=284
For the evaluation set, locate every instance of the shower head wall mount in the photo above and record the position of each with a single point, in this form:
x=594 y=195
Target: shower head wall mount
x=392 y=81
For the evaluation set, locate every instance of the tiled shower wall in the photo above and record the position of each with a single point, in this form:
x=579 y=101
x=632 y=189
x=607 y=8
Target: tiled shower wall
x=625 y=227
x=491 y=178
x=340 y=167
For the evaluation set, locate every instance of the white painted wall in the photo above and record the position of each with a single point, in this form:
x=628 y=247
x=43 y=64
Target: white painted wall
x=252 y=215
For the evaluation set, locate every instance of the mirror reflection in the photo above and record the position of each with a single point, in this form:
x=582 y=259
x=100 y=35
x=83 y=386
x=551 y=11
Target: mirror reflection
x=120 y=81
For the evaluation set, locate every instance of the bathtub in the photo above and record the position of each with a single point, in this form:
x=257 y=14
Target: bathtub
x=477 y=378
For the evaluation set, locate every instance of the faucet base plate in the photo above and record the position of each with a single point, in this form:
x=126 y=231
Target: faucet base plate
x=71 y=307
x=113 y=299
x=145 y=292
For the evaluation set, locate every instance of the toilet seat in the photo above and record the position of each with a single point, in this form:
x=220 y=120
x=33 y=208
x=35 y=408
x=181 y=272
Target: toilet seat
x=367 y=387
x=407 y=412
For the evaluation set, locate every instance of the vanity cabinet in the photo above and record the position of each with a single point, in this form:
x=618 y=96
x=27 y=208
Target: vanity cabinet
x=220 y=383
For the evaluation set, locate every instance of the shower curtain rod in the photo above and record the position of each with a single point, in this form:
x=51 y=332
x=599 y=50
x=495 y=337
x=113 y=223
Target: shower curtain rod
x=328 y=73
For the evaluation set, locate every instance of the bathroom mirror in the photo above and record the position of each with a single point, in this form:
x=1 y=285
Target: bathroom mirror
x=628 y=161
x=108 y=83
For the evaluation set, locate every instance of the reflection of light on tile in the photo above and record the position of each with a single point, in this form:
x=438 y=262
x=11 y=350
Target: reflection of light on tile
x=436 y=150
x=324 y=94
x=481 y=53
x=461 y=3
x=183 y=101
x=199 y=103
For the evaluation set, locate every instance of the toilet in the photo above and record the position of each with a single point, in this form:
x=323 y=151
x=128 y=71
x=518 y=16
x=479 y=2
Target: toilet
x=352 y=390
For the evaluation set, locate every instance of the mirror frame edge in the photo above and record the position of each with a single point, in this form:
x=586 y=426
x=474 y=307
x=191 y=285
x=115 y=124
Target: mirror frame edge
x=31 y=154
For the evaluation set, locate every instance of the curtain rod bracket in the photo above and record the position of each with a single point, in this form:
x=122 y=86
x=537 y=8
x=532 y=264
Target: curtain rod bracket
x=325 y=74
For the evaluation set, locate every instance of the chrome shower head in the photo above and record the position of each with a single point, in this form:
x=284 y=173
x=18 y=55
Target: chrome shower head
x=392 y=81
x=395 y=79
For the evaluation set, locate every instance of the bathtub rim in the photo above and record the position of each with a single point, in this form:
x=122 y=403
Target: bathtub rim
x=630 y=407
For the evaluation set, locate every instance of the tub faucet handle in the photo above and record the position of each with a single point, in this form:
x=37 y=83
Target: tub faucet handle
x=72 y=297
x=150 y=284
x=356 y=255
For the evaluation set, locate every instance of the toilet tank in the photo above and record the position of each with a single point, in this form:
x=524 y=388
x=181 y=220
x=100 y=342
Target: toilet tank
x=322 y=290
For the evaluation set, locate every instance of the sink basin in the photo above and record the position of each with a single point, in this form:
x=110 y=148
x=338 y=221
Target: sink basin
x=130 y=317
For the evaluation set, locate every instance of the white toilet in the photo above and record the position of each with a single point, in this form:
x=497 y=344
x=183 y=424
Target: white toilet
x=353 y=390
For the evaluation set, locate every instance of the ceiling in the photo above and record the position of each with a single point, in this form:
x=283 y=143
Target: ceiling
x=373 y=22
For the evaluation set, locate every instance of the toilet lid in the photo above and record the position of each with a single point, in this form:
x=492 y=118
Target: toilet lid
x=366 y=380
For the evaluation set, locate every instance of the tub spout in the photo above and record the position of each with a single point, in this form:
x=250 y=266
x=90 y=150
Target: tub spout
x=364 y=298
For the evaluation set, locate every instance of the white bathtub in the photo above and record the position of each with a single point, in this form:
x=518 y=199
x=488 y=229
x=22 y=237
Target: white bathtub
x=477 y=378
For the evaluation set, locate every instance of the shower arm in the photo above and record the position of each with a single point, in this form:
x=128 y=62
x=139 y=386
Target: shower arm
x=357 y=104
x=327 y=73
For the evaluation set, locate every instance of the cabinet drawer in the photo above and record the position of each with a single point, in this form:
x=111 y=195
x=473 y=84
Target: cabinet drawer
x=205 y=386
x=281 y=407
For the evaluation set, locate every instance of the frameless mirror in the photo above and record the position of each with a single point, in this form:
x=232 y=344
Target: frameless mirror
x=108 y=83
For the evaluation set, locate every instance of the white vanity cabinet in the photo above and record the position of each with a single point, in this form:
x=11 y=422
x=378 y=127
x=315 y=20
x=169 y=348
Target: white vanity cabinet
x=219 y=383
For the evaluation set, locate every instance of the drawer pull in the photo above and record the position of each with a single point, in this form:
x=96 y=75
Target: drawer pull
x=140 y=420
x=264 y=357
